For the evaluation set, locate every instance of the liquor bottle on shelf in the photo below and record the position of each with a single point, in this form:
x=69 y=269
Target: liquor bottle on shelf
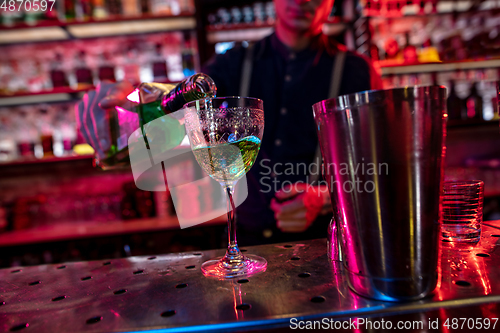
x=247 y=14
x=145 y=7
x=259 y=13
x=68 y=10
x=224 y=17
x=51 y=15
x=65 y=129
x=409 y=51
x=474 y=103
x=374 y=52
x=83 y=73
x=156 y=100
x=32 y=16
x=391 y=48
x=236 y=15
x=212 y=19
x=84 y=10
x=496 y=107
x=188 y=56
x=131 y=8
x=131 y=68
x=106 y=70
x=160 y=73
x=114 y=7
x=187 y=6
x=127 y=205
x=455 y=105
x=27 y=135
x=474 y=37
x=160 y=7
x=428 y=53
x=46 y=135
x=270 y=13
x=18 y=81
x=144 y=203
x=68 y=137
x=4 y=223
x=388 y=81
x=8 y=18
x=8 y=149
x=57 y=74
x=99 y=9
x=175 y=8
x=492 y=42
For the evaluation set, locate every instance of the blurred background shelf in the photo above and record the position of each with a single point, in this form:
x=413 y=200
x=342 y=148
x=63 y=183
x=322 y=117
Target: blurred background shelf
x=115 y=19
x=238 y=26
x=33 y=161
x=68 y=31
x=73 y=231
x=246 y=33
x=91 y=30
x=61 y=94
x=395 y=9
x=392 y=67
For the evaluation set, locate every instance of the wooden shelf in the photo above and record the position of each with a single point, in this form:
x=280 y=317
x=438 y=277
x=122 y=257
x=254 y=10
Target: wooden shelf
x=34 y=160
x=71 y=231
x=59 y=31
x=52 y=96
x=239 y=33
x=116 y=18
x=413 y=10
x=61 y=90
x=397 y=69
x=47 y=96
x=238 y=26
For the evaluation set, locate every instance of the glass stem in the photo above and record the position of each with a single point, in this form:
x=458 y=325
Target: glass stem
x=233 y=253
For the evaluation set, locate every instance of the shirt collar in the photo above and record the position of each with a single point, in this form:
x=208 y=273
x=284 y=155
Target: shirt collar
x=285 y=52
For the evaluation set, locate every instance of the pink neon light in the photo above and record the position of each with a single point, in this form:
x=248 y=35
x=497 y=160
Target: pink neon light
x=118 y=108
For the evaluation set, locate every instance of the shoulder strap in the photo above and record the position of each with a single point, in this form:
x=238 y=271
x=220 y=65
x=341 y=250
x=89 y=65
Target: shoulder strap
x=336 y=79
x=246 y=71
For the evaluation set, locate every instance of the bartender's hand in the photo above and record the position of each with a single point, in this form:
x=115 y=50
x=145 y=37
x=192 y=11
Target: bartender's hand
x=92 y=112
x=297 y=206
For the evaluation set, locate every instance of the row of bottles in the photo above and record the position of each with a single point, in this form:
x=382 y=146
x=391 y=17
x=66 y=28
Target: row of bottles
x=159 y=57
x=259 y=13
x=398 y=8
x=37 y=131
x=480 y=98
x=471 y=94
x=94 y=206
x=115 y=198
x=85 y=10
x=447 y=37
x=395 y=8
x=155 y=100
x=49 y=130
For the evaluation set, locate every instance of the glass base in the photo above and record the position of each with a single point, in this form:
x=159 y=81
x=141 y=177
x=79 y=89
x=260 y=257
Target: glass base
x=248 y=265
x=460 y=233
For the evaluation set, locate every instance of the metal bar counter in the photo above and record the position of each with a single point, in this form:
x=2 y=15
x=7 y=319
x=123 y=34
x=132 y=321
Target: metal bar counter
x=168 y=293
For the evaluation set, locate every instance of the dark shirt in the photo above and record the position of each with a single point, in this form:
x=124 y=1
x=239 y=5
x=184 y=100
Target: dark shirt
x=289 y=83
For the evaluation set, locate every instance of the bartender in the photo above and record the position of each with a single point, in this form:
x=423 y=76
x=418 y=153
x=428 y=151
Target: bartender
x=289 y=70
